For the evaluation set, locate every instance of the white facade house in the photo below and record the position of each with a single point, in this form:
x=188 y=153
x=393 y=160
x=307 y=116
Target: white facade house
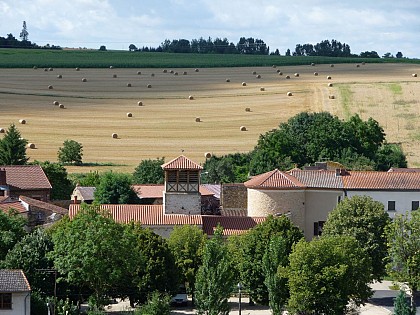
x=307 y=196
x=15 y=293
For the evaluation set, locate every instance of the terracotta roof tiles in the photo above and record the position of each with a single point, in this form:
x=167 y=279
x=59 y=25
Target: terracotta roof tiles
x=43 y=205
x=13 y=280
x=181 y=163
x=382 y=180
x=28 y=177
x=8 y=204
x=274 y=179
x=231 y=225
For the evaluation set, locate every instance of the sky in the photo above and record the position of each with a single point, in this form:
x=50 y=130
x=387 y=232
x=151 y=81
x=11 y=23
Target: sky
x=366 y=25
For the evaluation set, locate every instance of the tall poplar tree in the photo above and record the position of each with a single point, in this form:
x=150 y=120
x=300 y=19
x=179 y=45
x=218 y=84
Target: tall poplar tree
x=13 y=148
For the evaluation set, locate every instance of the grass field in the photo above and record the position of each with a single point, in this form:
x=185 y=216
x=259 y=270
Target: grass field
x=166 y=123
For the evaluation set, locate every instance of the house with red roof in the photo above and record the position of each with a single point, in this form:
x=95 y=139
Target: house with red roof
x=307 y=196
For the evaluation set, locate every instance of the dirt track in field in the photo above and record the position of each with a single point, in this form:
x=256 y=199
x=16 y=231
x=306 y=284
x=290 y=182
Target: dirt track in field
x=166 y=123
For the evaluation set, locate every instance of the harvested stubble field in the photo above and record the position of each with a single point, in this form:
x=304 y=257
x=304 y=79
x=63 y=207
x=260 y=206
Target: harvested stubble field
x=165 y=125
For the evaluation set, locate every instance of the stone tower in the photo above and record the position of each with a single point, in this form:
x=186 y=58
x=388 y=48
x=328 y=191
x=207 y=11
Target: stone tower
x=182 y=184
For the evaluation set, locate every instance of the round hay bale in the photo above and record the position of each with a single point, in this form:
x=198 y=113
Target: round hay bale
x=149 y=86
x=175 y=73
x=227 y=80
x=172 y=71
x=289 y=94
x=111 y=67
x=274 y=66
x=258 y=76
x=114 y=75
x=312 y=64
x=363 y=63
x=328 y=77
x=152 y=74
x=184 y=73
x=296 y=74
x=77 y=69
x=84 y=80
x=128 y=84
x=287 y=76
x=247 y=109
x=59 y=76
x=56 y=103
x=50 y=69
x=262 y=89
x=243 y=83
x=332 y=66
x=316 y=74
x=190 y=97
x=243 y=128
x=357 y=66
x=197 y=119
x=35 y=67
x=207 y=155
x=138 y=72
x=31 y=146
x=140 y=103
x=196 y=70
x=331 y=97
x=61 y=106
x=330 y=85
x=50 y=87
x=414 y=75
x=114 y=136
x=165 y=71
x=254 y=72
x=2 y=130
x=22 y=121
x=129 y=115
x=45 y=69
x=280 y=73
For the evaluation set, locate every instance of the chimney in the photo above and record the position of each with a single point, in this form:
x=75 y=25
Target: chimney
x=3 y=177
x=75 y=199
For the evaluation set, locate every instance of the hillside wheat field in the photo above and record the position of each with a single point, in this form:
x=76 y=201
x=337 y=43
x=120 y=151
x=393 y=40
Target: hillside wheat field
x=166 y=124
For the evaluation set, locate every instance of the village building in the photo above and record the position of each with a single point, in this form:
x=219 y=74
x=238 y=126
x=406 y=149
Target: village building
x=15 y=293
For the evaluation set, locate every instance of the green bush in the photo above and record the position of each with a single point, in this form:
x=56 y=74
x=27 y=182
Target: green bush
x=158 y=304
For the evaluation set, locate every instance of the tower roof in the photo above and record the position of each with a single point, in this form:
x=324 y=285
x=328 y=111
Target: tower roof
x=274 y=179
x=181 y=163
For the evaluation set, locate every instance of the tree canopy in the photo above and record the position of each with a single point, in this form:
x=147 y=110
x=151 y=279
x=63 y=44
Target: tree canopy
x=149 y=172
x=13 y=148
x=70 y=153
x=11 y=231
x=57 y=175
x=365 y=219
x=115 y=188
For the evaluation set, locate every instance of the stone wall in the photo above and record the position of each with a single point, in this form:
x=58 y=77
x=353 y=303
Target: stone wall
x=181 y=203
x=233 y=197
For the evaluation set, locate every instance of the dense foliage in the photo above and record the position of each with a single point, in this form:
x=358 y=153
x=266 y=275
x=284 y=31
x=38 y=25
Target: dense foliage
x=115 y=188
x=13 y=148
x=70 y=153
x=57 y=175
x=324 y=48
x=11 y=231
x=326 y=274
x=149 y=172
x=365 y=219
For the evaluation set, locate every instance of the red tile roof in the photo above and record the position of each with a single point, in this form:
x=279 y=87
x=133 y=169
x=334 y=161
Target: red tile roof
x=317 y=178
x=8 y=204
x=231 y=225
x=181 y=163
x=27 y=177
x=274 y=179
x=146 y=214
x=404 y=170
x=13 y=280
x=382 y=180
x=43 y=205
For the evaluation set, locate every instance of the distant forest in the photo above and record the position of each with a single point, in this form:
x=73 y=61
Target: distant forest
x=247 y=46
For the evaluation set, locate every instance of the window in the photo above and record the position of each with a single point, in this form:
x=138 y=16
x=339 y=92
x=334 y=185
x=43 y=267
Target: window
x=391 y=205
x=318 y=228
x=5 y=301
x=415 y=205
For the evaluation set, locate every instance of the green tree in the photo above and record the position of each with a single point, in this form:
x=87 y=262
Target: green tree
x=157 y=304
x=230 y=168
x=91 y=179
x=149 y=172
x=186 y=243
x=401 y=307
x=58 y=177
x=365 y=219
x=275 y=261
x=159 y=272
x=390 y=155
x=30 y=255
x=326 y=274
x=70 y=153
x=254 y=245
x=11 y=231
x=215 y=280
x=13 y=148
x=115 y=188
x=93 y=251
x=403 y=236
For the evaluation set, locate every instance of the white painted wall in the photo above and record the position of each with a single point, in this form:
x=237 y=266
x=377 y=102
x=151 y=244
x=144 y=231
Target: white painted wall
x=21 y=304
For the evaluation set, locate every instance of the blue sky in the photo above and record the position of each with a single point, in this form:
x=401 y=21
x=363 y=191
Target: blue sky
x=380 y=25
